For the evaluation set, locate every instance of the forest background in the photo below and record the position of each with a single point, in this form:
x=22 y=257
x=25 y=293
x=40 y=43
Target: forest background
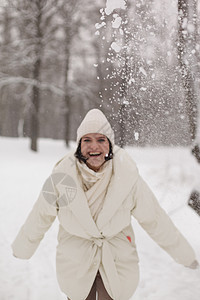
x=139 y=63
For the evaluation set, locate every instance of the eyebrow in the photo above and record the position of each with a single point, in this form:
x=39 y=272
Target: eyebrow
x=98 y=137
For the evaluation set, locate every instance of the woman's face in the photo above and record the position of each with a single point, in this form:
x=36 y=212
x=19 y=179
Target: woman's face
x=94 y=146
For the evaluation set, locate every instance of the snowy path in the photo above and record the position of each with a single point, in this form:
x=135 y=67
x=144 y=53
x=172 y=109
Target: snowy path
x=169 y=172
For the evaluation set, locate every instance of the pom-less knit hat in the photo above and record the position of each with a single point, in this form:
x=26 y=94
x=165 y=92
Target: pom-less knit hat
x=95 y=122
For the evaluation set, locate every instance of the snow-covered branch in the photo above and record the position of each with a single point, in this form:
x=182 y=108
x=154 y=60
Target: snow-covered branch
x=5 y=81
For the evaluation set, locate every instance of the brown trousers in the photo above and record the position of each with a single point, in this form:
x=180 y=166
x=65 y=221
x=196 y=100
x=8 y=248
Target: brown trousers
x=99 y=289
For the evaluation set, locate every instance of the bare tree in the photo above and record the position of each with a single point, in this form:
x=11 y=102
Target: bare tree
x=38 y=7
x=56 y=66
x=125 y=77
x=70 y=14
x=34 y=23
x=196 y=68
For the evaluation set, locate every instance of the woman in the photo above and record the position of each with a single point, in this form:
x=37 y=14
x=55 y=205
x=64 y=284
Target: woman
x=94 y=196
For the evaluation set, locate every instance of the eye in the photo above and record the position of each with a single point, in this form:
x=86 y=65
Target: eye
x=86 y=140
x=101 y=140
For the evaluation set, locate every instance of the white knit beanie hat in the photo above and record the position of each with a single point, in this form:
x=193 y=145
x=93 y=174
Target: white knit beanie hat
x=95 y=122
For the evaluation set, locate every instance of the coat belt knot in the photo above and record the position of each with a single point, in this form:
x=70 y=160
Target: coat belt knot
x=99 y=241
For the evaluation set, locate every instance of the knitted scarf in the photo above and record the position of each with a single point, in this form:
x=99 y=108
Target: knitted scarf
x=95 y=185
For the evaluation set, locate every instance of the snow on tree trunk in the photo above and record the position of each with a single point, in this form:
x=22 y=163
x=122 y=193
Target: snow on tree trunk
x=186 y=72
x=196 y=54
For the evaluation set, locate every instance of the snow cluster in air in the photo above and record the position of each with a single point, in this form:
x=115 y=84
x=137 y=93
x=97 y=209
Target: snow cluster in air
x=113 y=4
x=142 y=70
x=117 y=21
x=115 y=47
x=99 y=25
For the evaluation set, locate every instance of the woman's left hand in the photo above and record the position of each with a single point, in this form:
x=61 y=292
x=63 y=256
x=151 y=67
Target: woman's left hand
x=194 y=265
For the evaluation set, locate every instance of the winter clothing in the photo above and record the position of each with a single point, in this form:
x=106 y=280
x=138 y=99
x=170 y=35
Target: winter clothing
x=95 y=122
x=107 y=245
x=94 y=211
x=194 y=265
x=95 y=185
x=98 y=287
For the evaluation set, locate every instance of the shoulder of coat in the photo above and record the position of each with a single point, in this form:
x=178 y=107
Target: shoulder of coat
x=68 y=159
x=124 y=158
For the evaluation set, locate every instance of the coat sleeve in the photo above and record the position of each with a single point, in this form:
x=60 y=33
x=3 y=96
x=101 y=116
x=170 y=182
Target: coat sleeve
x=37 y=223
x=159 y=226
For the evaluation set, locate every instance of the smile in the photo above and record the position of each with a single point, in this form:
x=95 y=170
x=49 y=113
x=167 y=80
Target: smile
x=94 y=153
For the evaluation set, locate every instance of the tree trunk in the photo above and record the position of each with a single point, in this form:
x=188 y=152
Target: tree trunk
x=196 y=41
x=34 y=128
x=69 y=10
x=67 y=118
x=188 y=82
x=125 y=74
x=66 y=89
x=122 y=140
x=35 y=101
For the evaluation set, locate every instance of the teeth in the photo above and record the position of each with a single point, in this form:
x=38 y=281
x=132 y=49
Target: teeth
x=94 y=153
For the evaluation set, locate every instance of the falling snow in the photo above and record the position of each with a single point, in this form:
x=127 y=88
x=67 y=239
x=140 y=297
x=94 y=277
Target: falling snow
x=117 y=21
x=113 y=4
x=115 y=47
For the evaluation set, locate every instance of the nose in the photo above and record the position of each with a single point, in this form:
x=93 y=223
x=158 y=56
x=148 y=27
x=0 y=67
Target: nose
x=94 y=146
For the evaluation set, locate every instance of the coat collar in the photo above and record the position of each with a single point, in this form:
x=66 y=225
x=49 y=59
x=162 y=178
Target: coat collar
x=122 y=181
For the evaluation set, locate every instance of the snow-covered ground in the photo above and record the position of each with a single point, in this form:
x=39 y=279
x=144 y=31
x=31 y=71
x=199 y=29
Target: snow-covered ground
x=170 y=172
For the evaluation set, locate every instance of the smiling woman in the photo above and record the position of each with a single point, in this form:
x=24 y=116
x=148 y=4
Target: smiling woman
x=94 y=198
x=95 y=147
x=92 y=138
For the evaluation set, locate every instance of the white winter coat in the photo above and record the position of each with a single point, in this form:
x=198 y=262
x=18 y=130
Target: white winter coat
x=84 y=247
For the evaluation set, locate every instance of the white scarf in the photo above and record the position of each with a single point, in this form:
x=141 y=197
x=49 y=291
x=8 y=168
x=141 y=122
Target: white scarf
x=95 y=185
